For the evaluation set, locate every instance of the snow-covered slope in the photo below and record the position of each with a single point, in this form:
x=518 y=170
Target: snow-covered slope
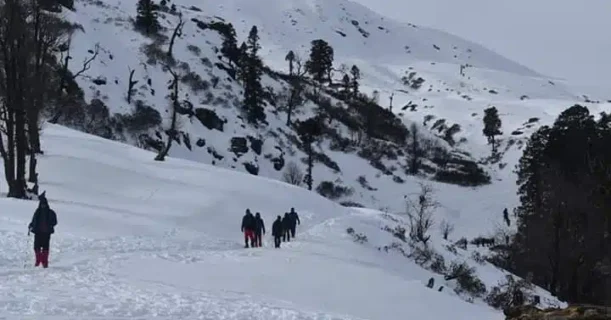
x=142 y=239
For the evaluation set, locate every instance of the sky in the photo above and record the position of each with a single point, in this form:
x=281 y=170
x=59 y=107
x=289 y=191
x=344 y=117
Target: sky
x=563 y=39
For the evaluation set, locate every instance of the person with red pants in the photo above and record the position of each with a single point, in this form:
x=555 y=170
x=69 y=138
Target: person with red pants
x=249 y=225
x=42 y=226
x=259 y=230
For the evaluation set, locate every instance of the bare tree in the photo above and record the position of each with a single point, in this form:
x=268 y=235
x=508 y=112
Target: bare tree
x=130 y=85
x=297 y=87
x=420 y=213
x=177 y=33
x=15 y=71
x=293 y=174
x=446 y=229
x=172 y=132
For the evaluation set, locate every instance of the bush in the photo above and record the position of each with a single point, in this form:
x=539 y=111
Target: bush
x=332 y=191
x=358 y=237
x=97 y=119
x=503 y=295
x=293 y=174
x=143 y=118
x=439 y=264
x=466 y=279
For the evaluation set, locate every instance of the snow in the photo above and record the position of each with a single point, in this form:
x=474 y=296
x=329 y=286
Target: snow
x=143 y=239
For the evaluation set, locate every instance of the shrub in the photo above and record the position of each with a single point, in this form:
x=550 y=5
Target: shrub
x=439 y=264
x=332 y=191
x=293 y=174
x=358 y=237
x=466 y=279
x=144 y=117
x=502 y=296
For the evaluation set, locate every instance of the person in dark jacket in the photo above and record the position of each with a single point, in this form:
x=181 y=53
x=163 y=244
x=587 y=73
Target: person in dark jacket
x=294 y=221
x=259 y=230
x=277 y=231
x=286 y=227
x=42 y=226
x=249 y=225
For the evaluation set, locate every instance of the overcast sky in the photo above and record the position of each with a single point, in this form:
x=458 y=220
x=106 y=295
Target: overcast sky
x=568 y=39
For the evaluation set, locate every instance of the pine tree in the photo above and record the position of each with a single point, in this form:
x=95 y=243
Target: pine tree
x=320 y=64
x=346 y=83
x=252 y=71
x=492 y=125
x=229 y=48
x=308 y=132
x=146 y=20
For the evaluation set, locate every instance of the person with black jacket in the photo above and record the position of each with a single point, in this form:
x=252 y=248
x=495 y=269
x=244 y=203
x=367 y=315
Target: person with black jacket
x=42 y=226
x=249 y=225
x=277 y=231
x=286 y=227
x=294 y=221
x=259 y=230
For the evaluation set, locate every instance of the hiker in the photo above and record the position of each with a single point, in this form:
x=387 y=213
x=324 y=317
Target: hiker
x=277 y=231
x=42 y=226
x=259 y=229
x=294 y=221
x=248 y=227
x=286 y=227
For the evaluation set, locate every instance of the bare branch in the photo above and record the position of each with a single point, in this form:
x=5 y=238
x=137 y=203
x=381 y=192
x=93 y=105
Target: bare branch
x=87 y=62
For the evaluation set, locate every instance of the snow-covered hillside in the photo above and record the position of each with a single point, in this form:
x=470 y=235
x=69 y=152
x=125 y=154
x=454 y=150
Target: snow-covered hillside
x=385 y=51
x=140 y=238
x=143 y=239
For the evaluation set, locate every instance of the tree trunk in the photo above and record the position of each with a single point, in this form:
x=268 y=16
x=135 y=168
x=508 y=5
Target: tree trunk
x=310 y=166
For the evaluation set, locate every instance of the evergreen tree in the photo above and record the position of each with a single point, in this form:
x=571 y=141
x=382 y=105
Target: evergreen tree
x=146 y=20
x=308 y=132
x=492 y=125
x=346 y=84
x=320 y=64
x=290 y=57
x=564 y=179
x=356 y=76
x=252 y=71
x=229 y=48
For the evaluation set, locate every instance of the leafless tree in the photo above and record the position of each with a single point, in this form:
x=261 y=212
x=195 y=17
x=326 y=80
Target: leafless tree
x=446 y=229
x=177 y=33
x=292 y=174
x=131 y=83
x=172 y=131
x=420 y=212
x=297 y=87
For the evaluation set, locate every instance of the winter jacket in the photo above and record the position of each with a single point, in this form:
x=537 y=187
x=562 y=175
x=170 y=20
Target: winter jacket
x=44 y=220
x=260 y=224
x=294 y=218
x=249 y=222
x=286 y=222
x=277 y=227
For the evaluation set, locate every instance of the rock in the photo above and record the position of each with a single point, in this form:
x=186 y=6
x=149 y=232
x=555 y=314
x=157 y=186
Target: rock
x=209 y=119
x=239 y=146
x=575 y=312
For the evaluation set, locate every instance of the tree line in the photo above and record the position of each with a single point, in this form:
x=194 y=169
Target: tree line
x=563 y=238
x=31 y=39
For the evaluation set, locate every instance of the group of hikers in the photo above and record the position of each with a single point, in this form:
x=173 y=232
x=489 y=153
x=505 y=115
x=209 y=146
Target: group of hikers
x=283 y=228
x=44 y=221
